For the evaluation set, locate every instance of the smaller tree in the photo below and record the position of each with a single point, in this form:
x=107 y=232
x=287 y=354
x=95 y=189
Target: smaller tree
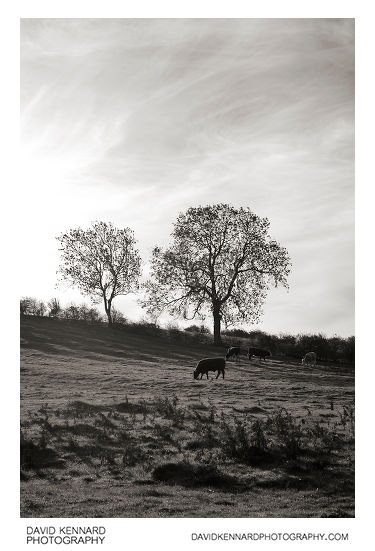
x=101 y=262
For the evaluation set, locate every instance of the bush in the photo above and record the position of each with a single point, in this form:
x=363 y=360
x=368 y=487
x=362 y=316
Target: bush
x=236 y=333
x=198 y=329
x=288 y=432
x=245 y=444
x=54 y=308
x=133 y=454
x=174 y=333
x=118 y=317
x=82 y=312
x=168 y=409
x=30 y=306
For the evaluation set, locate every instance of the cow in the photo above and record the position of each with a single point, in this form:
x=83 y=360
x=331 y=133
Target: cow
x=309 y=358
x=259 y=352
x=210 y=364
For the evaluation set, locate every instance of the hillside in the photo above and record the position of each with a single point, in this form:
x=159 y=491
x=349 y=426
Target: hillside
x=113 y=422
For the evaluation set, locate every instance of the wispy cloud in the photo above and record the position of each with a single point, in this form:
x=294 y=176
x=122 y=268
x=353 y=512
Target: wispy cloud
x=136 y=120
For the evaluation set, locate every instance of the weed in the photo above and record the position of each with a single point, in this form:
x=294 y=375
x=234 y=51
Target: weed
x=209 y=417
x=243 y=444
x=133 y=454
x=43 y=440
x=322 y=440
x=106 y=459
x=347 y=418
x=258 y=437
x=288 y=432
x=206 y=439
x=163 y=431
x=122 y=436
x=128 y=407
x=168 y=409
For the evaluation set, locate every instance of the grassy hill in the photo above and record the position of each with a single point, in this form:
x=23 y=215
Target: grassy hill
x=114 y=425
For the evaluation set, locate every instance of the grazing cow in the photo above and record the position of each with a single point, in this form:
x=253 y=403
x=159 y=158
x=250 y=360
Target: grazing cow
x=210 y=364
x=234 y=351
x=309 y=358
x=258 y=352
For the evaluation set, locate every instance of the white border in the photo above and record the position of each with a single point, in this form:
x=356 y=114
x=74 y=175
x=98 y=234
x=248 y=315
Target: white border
x=168 y=533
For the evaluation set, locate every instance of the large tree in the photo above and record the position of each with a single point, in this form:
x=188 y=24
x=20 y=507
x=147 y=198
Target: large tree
x=222 y=261
x=101 y=262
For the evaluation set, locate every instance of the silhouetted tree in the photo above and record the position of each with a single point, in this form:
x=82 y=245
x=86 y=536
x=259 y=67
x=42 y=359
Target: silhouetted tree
x=101 y=262
x=221 y=261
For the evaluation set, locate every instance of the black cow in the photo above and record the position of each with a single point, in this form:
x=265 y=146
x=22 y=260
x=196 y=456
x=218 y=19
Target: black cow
x=210 y=364
x=261 y=353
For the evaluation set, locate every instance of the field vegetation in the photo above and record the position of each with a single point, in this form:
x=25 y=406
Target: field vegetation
x=114 y=425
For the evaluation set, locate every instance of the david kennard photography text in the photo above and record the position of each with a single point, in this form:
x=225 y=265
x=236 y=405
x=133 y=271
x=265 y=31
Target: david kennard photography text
x=65 y=534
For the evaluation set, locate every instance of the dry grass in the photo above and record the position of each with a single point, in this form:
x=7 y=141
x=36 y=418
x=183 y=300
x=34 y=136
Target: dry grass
x=114 y=425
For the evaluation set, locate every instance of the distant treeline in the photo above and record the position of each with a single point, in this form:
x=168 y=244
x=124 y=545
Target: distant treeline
x=329 y=349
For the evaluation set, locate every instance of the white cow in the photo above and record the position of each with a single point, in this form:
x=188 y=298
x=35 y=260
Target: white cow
x=309 y=358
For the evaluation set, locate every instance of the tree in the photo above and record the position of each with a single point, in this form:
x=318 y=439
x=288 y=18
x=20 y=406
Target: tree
x=221 y=261
x=101 y=262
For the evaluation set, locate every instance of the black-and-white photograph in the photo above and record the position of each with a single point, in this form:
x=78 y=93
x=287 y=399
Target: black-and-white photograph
x=187 y=315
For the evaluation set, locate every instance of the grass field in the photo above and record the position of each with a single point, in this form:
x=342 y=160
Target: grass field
x=114 y=425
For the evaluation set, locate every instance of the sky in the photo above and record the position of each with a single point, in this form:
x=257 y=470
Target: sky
x=135 y=120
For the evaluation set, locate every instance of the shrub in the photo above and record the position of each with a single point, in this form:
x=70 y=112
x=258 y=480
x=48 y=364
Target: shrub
x=174 y=333
x=168 y=409
x=288 y=432
x=25 y=305
x=72 y=312
x=118 y=317
x=32 y=307
x=54 y=308
x=198 y=329
x=133 y=454
x=236 y=333
x=245 y=444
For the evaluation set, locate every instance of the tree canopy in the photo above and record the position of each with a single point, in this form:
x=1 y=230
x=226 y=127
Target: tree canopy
x=101 y=262
x=222 y=262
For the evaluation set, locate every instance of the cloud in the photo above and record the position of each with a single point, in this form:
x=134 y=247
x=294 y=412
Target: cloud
x=136 y=120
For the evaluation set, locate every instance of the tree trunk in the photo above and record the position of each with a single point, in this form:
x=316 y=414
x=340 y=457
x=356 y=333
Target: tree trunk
x=107 y=307
x=109 y=316
x=217 y=322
